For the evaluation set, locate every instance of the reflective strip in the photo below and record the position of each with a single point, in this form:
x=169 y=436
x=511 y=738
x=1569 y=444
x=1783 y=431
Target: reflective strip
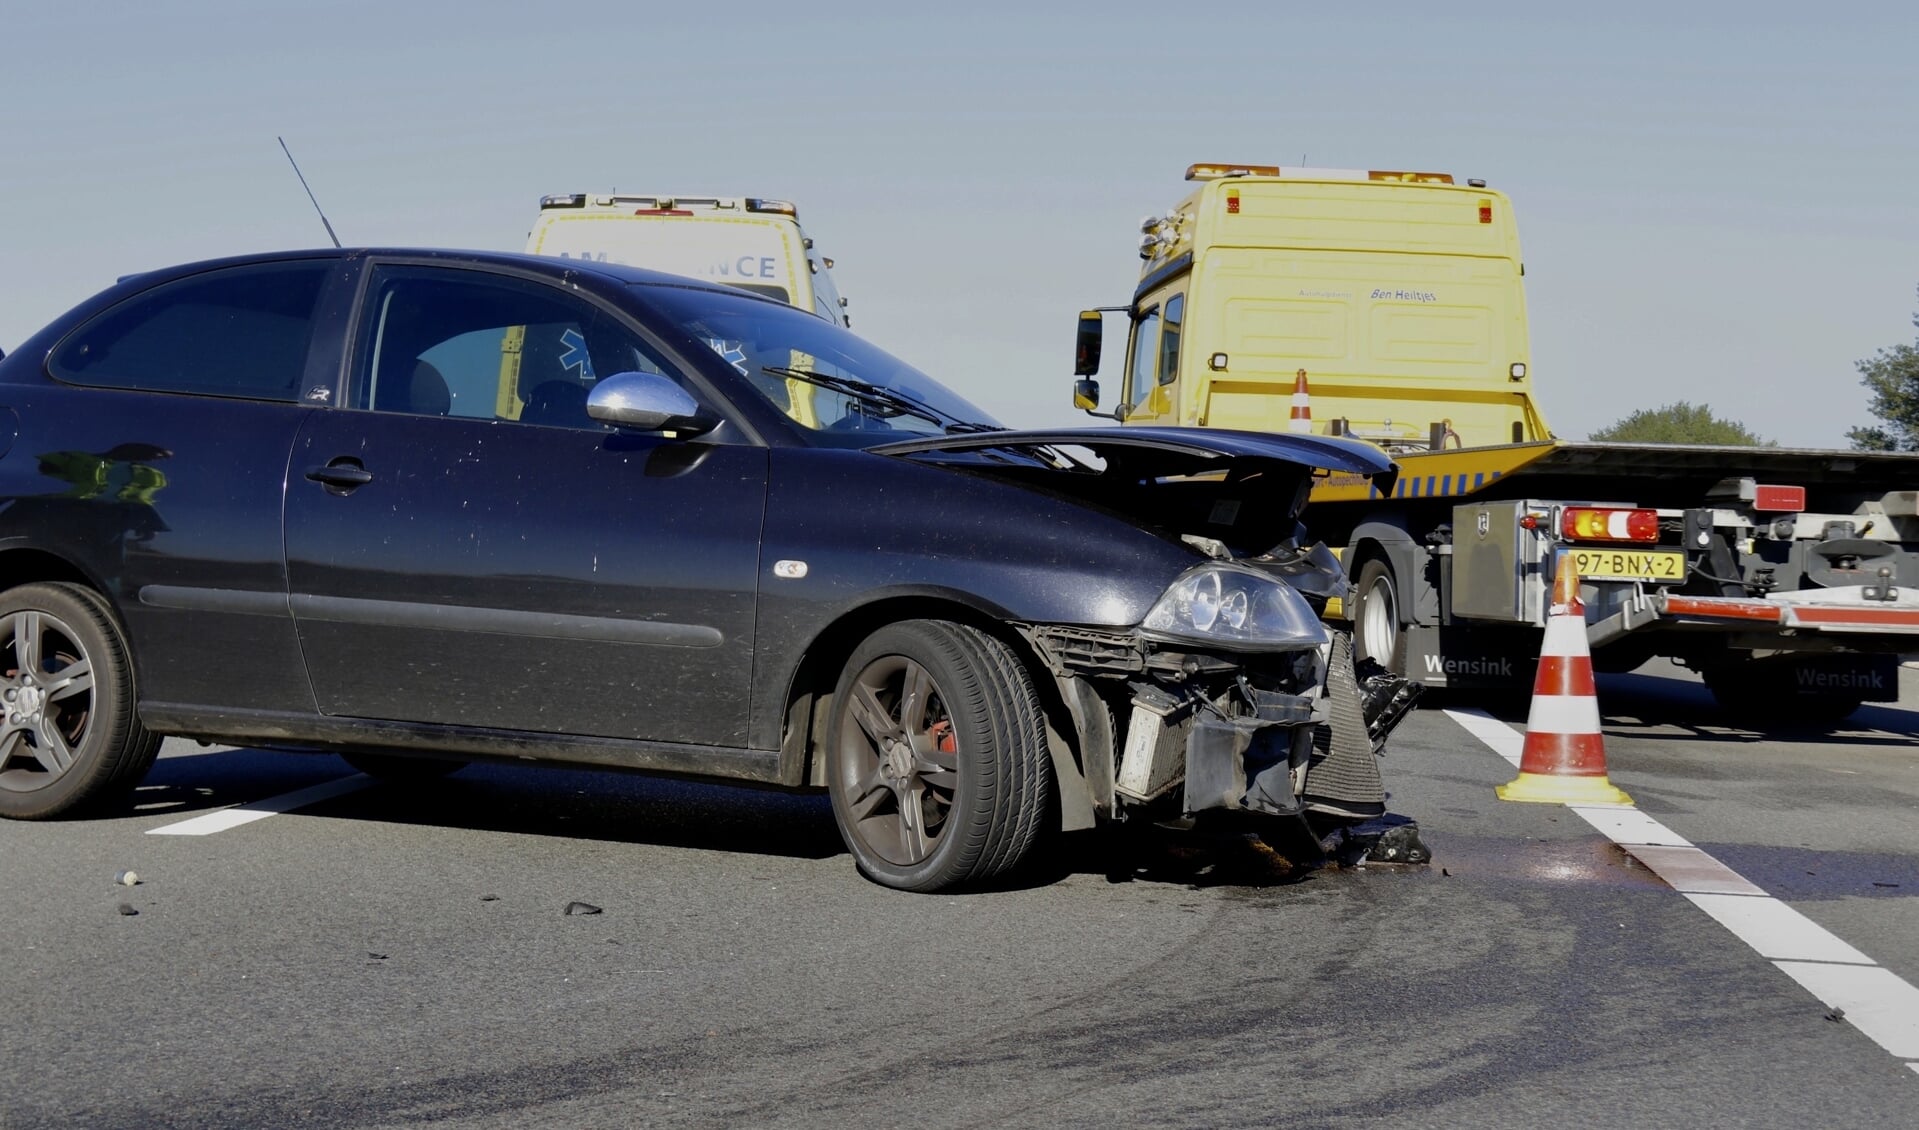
x=1565 y=636
x=1563 y=714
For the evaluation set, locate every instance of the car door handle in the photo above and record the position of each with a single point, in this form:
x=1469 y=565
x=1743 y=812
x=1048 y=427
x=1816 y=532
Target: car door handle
x=341 y=476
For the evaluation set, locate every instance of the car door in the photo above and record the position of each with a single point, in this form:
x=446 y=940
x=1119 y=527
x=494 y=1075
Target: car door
x=161 y=452
x=466 y=547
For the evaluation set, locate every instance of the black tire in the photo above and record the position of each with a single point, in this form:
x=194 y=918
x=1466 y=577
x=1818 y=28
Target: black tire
x=1378 y=628
x=402 y=770
x=1764 y=695
x=70 y=737
x=936 y=757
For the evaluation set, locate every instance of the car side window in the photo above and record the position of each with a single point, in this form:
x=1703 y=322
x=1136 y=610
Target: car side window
x=441 y=342
x=241 y=332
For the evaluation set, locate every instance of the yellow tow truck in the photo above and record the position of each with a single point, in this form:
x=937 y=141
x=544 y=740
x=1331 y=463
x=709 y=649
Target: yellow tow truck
x=1390 y=306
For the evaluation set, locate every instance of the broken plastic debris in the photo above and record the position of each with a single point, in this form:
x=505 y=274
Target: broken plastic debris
x=376 y=956
x=127 y=879
x=489 y=898
x=581 y=908
x=1836 y=1014
x=126 y=908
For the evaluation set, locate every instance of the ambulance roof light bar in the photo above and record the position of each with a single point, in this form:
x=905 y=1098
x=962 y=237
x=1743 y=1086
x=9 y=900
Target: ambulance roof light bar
x=1217 y=171
x=1220 y=171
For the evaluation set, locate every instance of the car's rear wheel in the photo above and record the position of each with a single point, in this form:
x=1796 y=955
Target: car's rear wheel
x=68 y=735
x=936 y=757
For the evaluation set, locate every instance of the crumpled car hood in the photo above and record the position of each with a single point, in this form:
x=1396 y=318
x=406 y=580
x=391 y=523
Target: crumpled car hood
x=1177 y=450
x=1242 y=489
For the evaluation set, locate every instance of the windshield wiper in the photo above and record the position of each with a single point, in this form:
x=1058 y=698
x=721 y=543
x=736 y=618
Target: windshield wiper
x=899 y=402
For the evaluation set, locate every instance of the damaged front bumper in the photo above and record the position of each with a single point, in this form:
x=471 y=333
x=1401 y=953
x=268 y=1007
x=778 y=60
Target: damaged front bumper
x=1179 y=733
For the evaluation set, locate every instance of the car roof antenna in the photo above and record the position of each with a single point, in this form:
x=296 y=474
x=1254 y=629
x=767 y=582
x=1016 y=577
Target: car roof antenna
x=303 y=184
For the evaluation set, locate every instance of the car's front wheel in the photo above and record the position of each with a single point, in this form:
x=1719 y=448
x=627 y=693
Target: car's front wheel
x=68 y=734
x=936 y=757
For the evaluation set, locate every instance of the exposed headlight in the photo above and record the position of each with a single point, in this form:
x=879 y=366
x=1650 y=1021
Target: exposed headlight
x=1234 y=607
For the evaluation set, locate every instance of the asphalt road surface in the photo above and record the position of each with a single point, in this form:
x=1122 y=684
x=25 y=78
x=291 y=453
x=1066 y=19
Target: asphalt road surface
x=388 y=956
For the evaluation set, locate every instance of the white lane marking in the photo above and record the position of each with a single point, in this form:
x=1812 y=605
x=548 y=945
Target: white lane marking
x=1878 y=1002
x=1776 y=930
x=1627 y=826
x=1693 y=872
x=261 y=809
x=1497 y=736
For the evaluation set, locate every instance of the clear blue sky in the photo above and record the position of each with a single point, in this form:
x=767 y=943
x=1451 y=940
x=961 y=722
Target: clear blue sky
x=1718 y=202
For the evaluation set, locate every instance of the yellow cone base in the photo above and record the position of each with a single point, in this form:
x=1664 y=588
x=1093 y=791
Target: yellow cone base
x=1538 y=788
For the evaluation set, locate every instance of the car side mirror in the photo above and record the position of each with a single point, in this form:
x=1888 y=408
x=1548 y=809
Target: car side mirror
x=1086 y=346
x=647 y=402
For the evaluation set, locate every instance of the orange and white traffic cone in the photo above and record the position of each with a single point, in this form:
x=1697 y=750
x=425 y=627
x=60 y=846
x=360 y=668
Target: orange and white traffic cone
x=1302 y=420
x=1564 y=759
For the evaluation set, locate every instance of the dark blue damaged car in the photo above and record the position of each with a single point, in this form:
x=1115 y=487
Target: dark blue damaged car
x=427 y=507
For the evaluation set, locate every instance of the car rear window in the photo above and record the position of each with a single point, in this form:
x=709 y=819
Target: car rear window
x=241 y=332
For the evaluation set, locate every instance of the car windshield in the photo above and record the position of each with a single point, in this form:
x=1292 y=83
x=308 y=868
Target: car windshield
x=840 y=388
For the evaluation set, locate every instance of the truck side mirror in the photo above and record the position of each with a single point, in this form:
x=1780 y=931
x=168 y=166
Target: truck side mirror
x=1086 y=346
x=1086 y=393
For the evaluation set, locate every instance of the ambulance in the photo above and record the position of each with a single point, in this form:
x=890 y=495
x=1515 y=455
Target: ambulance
x=1390 y=306
x=747 y=242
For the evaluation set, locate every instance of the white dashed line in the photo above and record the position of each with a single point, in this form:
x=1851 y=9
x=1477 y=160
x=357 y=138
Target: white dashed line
x=261 y=809
x=1870 y=997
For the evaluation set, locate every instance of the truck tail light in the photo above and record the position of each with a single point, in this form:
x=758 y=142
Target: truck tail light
x=1778 y=499
x=1595 y=523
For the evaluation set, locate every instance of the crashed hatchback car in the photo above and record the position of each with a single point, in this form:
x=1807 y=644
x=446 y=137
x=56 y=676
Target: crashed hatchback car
x=421 y=507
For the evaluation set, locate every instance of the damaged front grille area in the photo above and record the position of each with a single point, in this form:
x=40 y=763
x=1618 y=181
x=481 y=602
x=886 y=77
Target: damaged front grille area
x=1087 y=651
x=1283 y=734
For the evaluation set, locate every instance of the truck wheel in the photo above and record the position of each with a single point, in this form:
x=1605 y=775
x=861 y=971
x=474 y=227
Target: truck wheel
x=1376 y=625
x=936 y=757
x=1764 y=696
x=68 y=735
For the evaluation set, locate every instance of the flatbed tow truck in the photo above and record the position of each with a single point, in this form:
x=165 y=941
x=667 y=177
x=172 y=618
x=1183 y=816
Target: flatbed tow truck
x=1389 y=306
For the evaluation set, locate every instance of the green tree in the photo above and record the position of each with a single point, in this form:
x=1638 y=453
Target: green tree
x=1893 y=376
x=1679 y=423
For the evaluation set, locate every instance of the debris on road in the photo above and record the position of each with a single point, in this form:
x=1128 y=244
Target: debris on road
x=581 y=908
x=126 y=909
x=127 y=879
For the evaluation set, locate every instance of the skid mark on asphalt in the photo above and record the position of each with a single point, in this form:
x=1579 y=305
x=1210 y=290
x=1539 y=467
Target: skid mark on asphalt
x=261 y=809
x=1870 y=997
